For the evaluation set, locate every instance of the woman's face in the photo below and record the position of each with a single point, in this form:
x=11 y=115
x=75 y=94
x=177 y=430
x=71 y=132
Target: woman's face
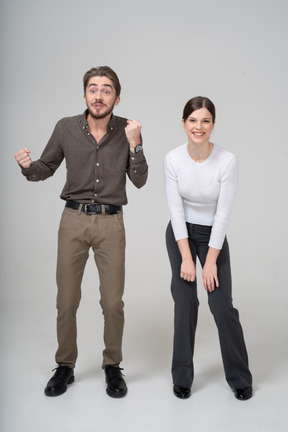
x=199 y=126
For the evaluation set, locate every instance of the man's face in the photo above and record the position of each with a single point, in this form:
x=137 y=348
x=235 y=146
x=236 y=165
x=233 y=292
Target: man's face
x=100 y=97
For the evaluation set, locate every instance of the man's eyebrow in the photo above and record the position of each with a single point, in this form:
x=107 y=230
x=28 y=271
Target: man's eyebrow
x=102 y=85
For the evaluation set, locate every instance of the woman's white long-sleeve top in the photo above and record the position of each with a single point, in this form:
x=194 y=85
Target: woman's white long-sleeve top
x=201 y=193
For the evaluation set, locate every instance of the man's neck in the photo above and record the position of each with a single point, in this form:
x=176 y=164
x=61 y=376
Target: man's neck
x=98 y=127
x=98 y=124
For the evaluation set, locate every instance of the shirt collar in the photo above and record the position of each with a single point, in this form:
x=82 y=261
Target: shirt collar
x=84 y=124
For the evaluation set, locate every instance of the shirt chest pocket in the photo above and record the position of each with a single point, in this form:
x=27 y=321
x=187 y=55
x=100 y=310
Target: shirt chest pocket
x=114 y=161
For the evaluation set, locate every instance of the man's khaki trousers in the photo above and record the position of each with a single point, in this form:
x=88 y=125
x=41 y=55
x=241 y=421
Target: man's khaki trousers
x=105 y=234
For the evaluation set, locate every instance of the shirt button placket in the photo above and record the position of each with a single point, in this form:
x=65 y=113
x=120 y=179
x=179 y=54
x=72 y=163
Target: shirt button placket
x=97 y=173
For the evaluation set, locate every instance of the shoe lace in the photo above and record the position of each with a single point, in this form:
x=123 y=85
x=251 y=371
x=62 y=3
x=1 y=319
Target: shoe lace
x=114 y=373
x=61 y=371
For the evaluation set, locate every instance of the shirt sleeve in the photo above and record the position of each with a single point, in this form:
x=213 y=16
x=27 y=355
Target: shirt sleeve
x=137 y=168
x=174 y=199
x=50 y=159
x=228 y=187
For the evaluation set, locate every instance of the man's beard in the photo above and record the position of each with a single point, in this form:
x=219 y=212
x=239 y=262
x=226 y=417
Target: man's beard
x=102 y=115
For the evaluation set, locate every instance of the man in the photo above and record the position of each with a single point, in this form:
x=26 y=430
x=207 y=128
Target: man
x=100 y=149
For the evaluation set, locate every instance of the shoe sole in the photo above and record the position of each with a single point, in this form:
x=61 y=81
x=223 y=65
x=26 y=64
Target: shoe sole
x=243 y=398
x=182 y=397
x=116 y=395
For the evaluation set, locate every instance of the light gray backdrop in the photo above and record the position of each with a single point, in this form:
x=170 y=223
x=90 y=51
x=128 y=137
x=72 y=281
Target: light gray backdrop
x=234 y=52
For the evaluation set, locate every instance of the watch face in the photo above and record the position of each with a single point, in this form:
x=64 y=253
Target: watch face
x=138 y=148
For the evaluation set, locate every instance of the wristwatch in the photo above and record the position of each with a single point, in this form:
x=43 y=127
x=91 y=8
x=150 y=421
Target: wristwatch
x=138 y=148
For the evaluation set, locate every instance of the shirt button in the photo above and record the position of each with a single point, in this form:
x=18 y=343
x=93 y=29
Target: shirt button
x=97 y=164
x=97 y=147
x=97 y=181
x=132 y=158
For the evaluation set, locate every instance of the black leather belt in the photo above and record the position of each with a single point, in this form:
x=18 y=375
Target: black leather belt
x=91 y=209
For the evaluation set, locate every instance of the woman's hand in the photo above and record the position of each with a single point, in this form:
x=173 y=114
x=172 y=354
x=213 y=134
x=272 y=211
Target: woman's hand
x=209 y=274
x=210 y=279
x=188 y=270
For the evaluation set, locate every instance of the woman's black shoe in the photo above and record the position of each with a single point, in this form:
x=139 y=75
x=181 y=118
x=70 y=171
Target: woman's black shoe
x=244 y=394
x=181 y=392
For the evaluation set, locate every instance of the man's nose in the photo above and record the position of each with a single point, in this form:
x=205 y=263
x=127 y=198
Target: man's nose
x=97 y=94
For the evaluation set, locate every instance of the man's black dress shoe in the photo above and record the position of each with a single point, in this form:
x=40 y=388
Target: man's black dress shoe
x=181 y=392
x=57 y=385
x=116 y=386
x=243 y=394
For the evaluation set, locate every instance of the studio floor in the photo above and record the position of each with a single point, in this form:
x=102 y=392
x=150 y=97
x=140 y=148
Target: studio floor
x=28 y=347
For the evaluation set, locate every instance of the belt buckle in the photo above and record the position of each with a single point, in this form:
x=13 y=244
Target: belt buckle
x=87 y=209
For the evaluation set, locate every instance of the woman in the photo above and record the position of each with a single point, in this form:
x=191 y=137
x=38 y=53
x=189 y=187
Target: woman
x=201 y=183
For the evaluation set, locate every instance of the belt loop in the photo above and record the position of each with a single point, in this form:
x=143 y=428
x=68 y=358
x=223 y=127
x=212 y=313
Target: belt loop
x=80 y=208
x=103 y=209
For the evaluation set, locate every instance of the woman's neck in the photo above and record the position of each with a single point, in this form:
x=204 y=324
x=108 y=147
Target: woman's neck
x=199 y=153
